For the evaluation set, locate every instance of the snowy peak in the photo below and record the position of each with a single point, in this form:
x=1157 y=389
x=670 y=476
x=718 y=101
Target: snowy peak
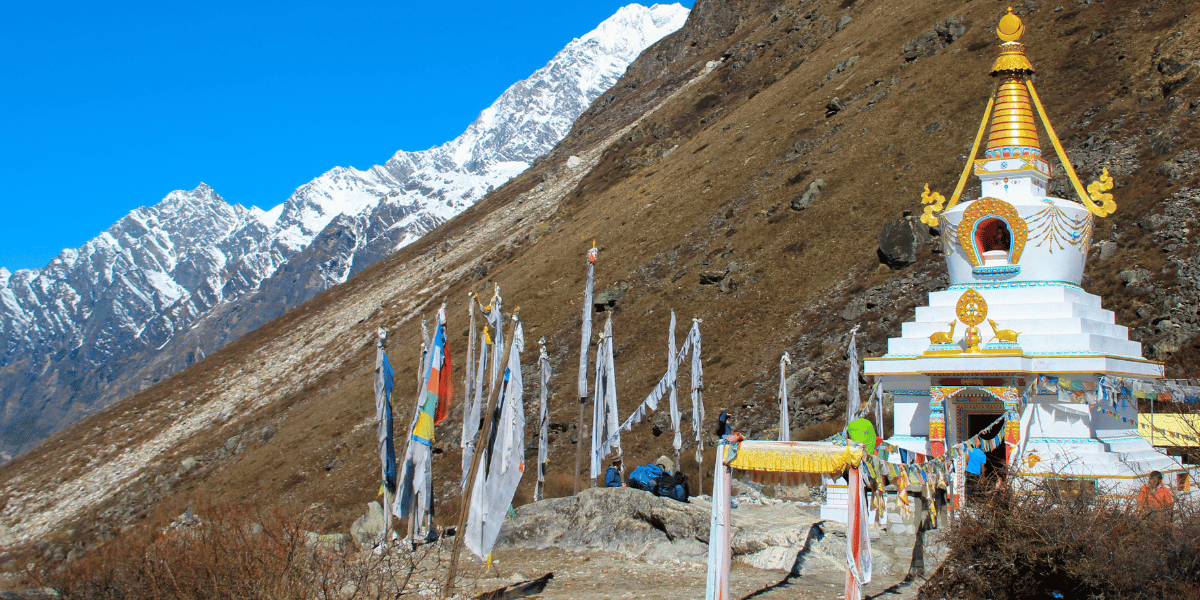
x=543 y=107
x=103 y=320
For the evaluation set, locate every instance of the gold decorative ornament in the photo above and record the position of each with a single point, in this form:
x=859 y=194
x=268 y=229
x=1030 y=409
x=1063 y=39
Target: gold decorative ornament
x=1101 y=204
x=991 y=208
x=933 y=202
x=1010 y=27
x=944 y=337
x=941 y=343
x=972 y=310
x=1004 y=335
x=1096 y=192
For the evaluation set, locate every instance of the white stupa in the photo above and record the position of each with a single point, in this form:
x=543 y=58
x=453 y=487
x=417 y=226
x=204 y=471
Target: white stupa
x=1015 y=311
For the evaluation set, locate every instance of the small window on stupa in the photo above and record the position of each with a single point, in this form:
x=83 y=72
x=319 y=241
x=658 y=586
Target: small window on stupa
x=994 y=242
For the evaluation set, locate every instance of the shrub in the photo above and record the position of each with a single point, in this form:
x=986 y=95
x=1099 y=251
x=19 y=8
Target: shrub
x=1051 y=542
x=239 y=551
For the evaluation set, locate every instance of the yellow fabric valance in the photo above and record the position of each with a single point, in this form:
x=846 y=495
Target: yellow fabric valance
x=796 y=457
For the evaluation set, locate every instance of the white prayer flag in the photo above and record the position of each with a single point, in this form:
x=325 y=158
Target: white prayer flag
x=544 y=420
x=605 y=426
x=852 y=393
x=697 y=391
x=586 y=331
x=673 y=382
x=504 y=463
x=785 y=427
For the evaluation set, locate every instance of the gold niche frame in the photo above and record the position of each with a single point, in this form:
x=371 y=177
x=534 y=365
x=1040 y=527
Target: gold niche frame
x=982 y=210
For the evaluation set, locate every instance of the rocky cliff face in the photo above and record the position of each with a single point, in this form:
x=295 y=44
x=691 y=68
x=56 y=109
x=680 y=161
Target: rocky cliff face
x=137 y=303
x=741 y=173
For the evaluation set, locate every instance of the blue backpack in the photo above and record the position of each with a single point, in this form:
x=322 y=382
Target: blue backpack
x=645 y=477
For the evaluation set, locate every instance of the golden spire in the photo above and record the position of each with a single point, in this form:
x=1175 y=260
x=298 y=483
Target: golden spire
x=1012 y=131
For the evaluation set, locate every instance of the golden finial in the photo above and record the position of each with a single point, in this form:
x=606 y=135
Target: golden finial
x=1010 y=27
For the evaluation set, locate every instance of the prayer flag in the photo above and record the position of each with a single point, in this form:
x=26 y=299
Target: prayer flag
x=785 y=428
x=586 y=331
x=605 y=426
x=384 y=381
x=504 y=461
x=544 y=420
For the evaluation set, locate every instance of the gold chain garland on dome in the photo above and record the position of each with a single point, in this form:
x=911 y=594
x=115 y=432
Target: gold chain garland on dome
x=1052 y=227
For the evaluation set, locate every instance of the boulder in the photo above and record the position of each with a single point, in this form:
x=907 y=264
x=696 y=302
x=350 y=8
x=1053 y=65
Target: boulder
x=1134 y=276
x=622 y=520
x=369 y=527
x=809 y=196
x=609 y=297
x=899 y=241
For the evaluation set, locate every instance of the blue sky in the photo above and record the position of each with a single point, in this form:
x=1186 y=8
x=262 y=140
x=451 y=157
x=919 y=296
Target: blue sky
x=105 y=107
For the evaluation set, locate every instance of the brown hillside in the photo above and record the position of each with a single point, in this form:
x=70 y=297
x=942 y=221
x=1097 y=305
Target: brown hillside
x=693 y=167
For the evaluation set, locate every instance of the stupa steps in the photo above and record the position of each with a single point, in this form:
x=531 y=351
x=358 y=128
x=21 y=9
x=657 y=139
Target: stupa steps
x=1034 y=294
x=1094 y=458
x=1003 y=313
x=1034 y=344
x=1027 y=327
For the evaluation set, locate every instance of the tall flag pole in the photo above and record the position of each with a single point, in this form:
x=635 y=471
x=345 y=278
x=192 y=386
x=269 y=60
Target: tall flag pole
x=672 y=390
x=489 y=492
x=698 y=399
x=384 y=381
x=496 y=319
x=852 y=393
x=544 y=421
x=404 y=487
x=858 y=537
x=475 y=416
x=469 y=425
x=585 y=339
x=785 y=427
x=433 y=409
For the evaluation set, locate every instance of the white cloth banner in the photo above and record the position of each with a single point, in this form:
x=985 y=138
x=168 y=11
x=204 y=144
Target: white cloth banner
x=414 y=461
x=469 y=427
x=544 y=422
x=606 y=432
x=852 y=393
x=497 y=321
x=719 y=534
x=697 y=392
x=585 y=336
x=673 y=391
x=496 y=484
x=472 y=421
x=650 y=404
x=785 y=427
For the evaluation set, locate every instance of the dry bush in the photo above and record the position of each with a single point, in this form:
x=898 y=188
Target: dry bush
x=240 y=551
x=1054 y=541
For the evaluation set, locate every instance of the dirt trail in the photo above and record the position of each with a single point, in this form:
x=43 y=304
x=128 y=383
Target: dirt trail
x=603 y=576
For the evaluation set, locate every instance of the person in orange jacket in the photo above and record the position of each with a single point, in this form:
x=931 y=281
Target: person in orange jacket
x=1154 y=495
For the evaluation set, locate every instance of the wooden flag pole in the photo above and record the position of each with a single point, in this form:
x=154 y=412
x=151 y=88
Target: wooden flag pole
x=579 y=442
x=465 y=506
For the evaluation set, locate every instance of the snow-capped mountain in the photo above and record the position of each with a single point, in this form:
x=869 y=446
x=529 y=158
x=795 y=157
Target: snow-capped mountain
x=105 y=320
